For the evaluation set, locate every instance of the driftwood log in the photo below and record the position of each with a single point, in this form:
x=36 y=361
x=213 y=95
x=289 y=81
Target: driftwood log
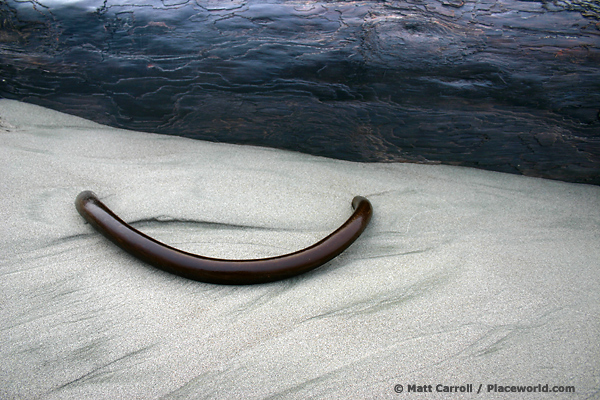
x=509 y=85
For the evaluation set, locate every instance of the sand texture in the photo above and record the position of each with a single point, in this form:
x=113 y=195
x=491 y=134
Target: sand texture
x=463 y=277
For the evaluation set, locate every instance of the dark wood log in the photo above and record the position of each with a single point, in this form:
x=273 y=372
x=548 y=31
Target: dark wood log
x=510 y=86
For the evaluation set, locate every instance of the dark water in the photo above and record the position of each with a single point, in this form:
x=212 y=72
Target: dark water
x=507 y=86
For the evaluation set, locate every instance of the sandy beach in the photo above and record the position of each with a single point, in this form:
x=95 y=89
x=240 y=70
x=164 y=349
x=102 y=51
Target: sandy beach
x=464 y=277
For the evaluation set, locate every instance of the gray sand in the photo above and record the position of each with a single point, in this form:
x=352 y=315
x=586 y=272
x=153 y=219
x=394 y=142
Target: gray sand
x=463 y=277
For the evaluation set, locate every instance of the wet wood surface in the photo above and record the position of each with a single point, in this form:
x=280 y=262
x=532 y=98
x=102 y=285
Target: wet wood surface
x=511 y=86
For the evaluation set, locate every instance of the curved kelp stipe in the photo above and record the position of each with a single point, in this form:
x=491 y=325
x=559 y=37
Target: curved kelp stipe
x=214 y=270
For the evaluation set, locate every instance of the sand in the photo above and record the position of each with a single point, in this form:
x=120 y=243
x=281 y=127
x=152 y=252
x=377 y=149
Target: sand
x=463 y=277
